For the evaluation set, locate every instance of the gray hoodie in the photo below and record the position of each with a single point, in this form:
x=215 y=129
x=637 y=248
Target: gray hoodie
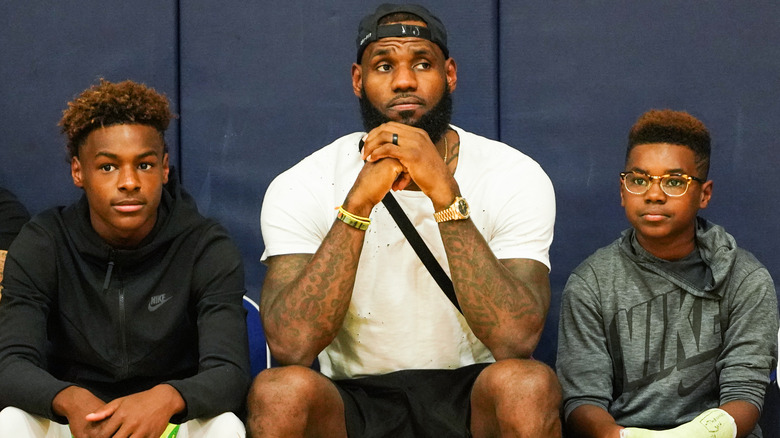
x=654 y=347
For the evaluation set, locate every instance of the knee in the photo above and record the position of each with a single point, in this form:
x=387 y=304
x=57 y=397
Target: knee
x=284 y=385
x=15 y=422
x=228 y=421
x=226 y=424
x=521 y=378
x=11 y=415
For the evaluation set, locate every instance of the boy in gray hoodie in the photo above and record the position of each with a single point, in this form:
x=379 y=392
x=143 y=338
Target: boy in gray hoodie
x=670 y=331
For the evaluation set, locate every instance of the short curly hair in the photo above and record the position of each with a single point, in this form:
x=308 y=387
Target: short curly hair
x=673 y=127
x=107 y=104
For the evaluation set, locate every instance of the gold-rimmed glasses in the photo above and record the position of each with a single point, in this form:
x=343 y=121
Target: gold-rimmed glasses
x=675 y=184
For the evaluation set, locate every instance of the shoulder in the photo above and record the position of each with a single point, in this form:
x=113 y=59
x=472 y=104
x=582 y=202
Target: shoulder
x=501 y=169
x=749 y=272
x=603 y=261
x=602 y=278
x=316 y=177
x=212 y=237
x=722 y=250
x=339 y=158
x=50 y=222
x=344 y=148
x=34 y=253
x=494 y=152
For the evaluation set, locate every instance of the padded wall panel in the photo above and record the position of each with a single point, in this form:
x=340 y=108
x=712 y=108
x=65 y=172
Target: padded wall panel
x=575 y=77
x=262 y=87
x=49 y=52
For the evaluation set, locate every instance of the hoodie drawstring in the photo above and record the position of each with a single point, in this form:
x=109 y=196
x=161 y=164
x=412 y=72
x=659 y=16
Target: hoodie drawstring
x=108 y=272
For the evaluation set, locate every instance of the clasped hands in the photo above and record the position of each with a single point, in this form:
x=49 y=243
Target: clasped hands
x=413 y=162
x=144 y=414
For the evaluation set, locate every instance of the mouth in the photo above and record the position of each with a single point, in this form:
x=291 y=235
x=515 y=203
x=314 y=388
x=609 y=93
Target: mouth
x=128 y=205
x=406 y=103
x=652 y=216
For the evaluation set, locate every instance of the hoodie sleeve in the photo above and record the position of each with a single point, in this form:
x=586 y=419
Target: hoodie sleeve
x=30 y=285
x=584 y=363
x=223 y=374
x=750 y=342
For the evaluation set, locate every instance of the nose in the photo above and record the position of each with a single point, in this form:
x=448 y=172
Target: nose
x=654 y=192
x=404 y=79
x=128 y=180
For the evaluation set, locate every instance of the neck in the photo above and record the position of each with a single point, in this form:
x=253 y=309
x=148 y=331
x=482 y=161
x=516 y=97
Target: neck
x=670 y=248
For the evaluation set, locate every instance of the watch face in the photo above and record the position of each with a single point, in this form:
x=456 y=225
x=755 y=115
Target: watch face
x=463 y=207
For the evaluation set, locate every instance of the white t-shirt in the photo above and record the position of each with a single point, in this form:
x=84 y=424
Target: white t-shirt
x=399 y=318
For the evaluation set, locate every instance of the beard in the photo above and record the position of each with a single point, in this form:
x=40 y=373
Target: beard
x=435 y=122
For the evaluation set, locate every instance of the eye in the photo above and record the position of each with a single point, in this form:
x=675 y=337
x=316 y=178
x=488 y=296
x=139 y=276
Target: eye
x=638 y=180
x=383 y=67
x=423 y=65
x=145 y=166
x=106 y=167
x=675 y=181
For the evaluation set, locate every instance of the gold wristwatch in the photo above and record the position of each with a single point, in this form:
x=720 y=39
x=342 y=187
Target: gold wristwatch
x=457 y=211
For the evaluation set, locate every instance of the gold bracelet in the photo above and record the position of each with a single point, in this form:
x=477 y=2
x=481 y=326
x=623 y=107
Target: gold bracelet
x=359 y=222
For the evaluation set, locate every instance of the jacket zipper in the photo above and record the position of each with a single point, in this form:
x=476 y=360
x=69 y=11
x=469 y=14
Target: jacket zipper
x=122 y=318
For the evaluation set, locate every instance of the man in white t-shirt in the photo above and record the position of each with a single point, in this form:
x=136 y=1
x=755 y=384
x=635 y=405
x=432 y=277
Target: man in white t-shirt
x=398 y=358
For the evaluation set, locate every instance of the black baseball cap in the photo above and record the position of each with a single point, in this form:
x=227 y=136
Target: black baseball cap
x=370 y=31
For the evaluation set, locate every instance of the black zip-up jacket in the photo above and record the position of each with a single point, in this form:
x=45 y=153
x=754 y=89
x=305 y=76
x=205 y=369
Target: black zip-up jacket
x=76 y=311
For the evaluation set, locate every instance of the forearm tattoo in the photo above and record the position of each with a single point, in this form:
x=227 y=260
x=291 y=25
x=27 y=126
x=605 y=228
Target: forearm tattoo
x=310 y=294
x=490 y=293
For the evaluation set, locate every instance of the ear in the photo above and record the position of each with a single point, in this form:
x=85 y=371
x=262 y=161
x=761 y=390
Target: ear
x=706 y=194
x=451 y=72
x=75 y=172
x=166 y=168
x=357 y=80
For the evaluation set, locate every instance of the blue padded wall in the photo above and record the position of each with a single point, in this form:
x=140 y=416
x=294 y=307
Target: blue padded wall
x=49 y=52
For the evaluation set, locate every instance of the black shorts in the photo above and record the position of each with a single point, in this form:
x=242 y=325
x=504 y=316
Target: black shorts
x=410 y=403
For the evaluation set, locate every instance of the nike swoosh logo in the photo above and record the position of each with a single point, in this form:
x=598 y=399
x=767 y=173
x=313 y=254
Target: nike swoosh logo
x=684 y=391
x=153 y=307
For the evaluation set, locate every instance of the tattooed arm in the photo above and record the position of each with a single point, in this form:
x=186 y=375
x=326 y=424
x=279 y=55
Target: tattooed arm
x=504 y=301
x=305 y=297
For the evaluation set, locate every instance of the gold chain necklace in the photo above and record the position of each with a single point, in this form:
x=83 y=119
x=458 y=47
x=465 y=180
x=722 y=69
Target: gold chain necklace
x=446 y=148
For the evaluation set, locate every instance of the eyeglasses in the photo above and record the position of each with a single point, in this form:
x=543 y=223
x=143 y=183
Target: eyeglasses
x=673 y=185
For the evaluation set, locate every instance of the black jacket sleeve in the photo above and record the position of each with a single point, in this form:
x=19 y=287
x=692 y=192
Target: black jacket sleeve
x=223 y=377
x=28 y=297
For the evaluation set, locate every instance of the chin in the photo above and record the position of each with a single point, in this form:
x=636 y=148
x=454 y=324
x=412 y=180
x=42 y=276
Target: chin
x=658 y=234
x=406 y=118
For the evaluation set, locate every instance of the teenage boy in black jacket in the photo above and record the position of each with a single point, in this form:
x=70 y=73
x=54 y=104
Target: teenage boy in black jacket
x=122 y=312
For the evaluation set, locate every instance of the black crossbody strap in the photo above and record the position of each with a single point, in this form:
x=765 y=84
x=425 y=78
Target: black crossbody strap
x=422 y=250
